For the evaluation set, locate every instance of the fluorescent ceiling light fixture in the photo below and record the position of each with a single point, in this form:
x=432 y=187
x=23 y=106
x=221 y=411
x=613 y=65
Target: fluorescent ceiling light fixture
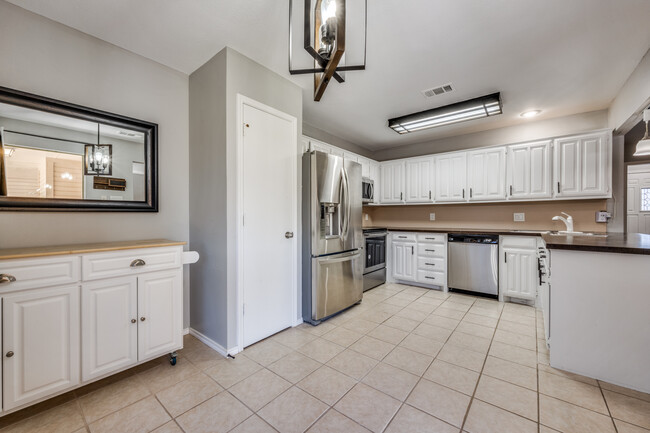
x=530 y=113
x=643 y=146
x=477 y=108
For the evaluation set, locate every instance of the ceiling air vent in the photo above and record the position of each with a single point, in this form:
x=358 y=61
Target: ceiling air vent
x=428 y=93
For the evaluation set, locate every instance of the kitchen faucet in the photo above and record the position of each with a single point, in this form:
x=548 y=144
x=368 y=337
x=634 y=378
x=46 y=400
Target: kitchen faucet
x=568 y=221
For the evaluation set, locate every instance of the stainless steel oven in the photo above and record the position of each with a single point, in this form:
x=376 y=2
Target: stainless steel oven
x=374 y=270
x=368 y=191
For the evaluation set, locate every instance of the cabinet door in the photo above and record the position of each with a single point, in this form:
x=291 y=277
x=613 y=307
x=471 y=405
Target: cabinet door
x=594 y=152
x=160 y=326
x=486 y=174
x=451 y=177
x=567 y=167
x=321 y=147
x=392 y=182
x=519 y=276
x=529 y=171
x=419 y=180
x=109 y=332
x=375 y=176
x=41 y=333
x=365 y=166
x=403 y=259
x=349 y=156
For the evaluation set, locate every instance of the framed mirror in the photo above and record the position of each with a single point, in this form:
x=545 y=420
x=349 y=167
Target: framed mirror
x=57 y=156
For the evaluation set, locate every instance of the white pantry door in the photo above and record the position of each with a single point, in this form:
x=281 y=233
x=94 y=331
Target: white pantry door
x=269 y=222
x=638 y=199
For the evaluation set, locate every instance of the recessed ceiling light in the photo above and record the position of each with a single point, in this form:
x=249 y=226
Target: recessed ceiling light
x=530 y=113
x=485 y=106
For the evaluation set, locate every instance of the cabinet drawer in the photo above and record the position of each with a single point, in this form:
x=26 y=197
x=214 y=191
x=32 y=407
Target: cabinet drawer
x=429 y=277
x=403 y=237
x=431 y=250
x=40 y=272
x=439 y=238
x=431 y=264
x=115 y=264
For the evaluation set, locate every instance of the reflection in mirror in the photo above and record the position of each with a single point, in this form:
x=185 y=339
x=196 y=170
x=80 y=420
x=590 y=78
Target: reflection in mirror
x=46 y=155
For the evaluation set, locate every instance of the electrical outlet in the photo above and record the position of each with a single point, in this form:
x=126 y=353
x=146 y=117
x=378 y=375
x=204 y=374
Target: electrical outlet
x=602 y=216
x=366 y=215
x=432 y=217
x=520 y=217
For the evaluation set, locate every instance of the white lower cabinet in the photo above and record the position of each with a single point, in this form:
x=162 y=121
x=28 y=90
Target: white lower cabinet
x=109 y=326
x=160 y=300
x=40 y=341
x=518 y=273
x=56 y=337
x=403 y=260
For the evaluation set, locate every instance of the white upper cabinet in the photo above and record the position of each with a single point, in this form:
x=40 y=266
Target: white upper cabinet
x=451 y=177
x=529 y=171
x=365 y=166
x=349 y=156
x=392 y=182
x=319 y=146
x=486 y=174
x=419 y=180
x=583 y=165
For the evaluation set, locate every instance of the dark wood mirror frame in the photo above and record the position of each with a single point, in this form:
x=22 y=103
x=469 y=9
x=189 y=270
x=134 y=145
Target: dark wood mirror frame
x=150 y=130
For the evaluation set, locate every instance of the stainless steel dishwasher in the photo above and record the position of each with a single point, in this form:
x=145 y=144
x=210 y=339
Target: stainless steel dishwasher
x=474 y=263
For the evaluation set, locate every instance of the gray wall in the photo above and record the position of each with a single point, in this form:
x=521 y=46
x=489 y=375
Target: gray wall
x=208 y=218
x=47 y=58
x=328 y=138
x=213 y=181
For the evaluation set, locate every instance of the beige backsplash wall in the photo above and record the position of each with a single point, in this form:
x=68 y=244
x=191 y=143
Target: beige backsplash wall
x=489 y=215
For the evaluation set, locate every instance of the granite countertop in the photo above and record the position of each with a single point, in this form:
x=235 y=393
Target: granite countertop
x=57 y=250
x=503 y=232
x=631 y=243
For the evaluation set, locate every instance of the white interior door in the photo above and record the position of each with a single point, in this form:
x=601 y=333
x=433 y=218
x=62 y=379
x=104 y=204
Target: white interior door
x=268 y=268
x=638 y=199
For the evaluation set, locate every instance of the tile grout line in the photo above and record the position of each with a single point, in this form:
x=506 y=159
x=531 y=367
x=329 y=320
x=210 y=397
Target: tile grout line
x=478 y=380
x=607 y=406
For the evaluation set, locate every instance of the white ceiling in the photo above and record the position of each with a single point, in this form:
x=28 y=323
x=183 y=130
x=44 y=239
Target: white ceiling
x=560 y=56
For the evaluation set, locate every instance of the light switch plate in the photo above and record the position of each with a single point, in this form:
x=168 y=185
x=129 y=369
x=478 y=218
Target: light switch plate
x=366 y=215
x=432 y=217
x=520 y=217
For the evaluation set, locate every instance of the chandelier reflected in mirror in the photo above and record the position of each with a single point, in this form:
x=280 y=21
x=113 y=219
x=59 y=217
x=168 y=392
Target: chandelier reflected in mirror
x=331 y=31
x=98 y=158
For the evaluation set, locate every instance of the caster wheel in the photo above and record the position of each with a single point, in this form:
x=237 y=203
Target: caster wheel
x=172 y=361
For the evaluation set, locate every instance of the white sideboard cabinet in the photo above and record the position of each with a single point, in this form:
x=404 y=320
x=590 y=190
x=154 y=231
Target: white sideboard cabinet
x=74 y=315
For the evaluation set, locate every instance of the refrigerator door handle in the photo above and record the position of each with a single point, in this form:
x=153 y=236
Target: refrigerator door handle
x=345 y=224
x=340 y=257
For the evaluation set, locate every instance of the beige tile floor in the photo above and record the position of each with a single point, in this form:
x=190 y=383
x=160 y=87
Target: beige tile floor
x=405 y=360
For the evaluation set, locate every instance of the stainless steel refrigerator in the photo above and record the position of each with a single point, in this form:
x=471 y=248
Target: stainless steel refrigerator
x=332 y=235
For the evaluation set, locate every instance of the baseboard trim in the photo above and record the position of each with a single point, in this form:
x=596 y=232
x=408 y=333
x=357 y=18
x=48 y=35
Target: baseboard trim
x=208 y=342
x=186 y=331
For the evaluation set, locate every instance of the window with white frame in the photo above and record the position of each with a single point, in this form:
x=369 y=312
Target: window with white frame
x=645 y=199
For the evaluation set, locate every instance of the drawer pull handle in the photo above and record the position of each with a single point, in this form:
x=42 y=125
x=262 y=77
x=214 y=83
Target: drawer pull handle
x=9 y=354
x=430 y=264
x=6 y=278
x=431 y=278
x=142 y=319
x=137 y=262
x=402 y=237
x=431 y=251
x=133 y=320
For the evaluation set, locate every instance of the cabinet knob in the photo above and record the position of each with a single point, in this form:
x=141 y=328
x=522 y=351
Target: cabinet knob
x=6 y=278
x=137 y=262
x=288 y=235
x=10 y=354
x=133 y=320
x=142 y=319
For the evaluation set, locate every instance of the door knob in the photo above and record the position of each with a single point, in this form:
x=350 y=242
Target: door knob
x=133 y=320
x=288 y=235
x=10 y=354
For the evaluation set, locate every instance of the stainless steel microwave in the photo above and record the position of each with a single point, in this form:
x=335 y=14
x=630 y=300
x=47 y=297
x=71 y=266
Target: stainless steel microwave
x=368 y=194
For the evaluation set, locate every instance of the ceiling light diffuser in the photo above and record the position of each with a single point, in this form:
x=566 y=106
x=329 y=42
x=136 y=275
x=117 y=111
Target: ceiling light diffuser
x=477 y=108
x=530 y=113
x=643 y=146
